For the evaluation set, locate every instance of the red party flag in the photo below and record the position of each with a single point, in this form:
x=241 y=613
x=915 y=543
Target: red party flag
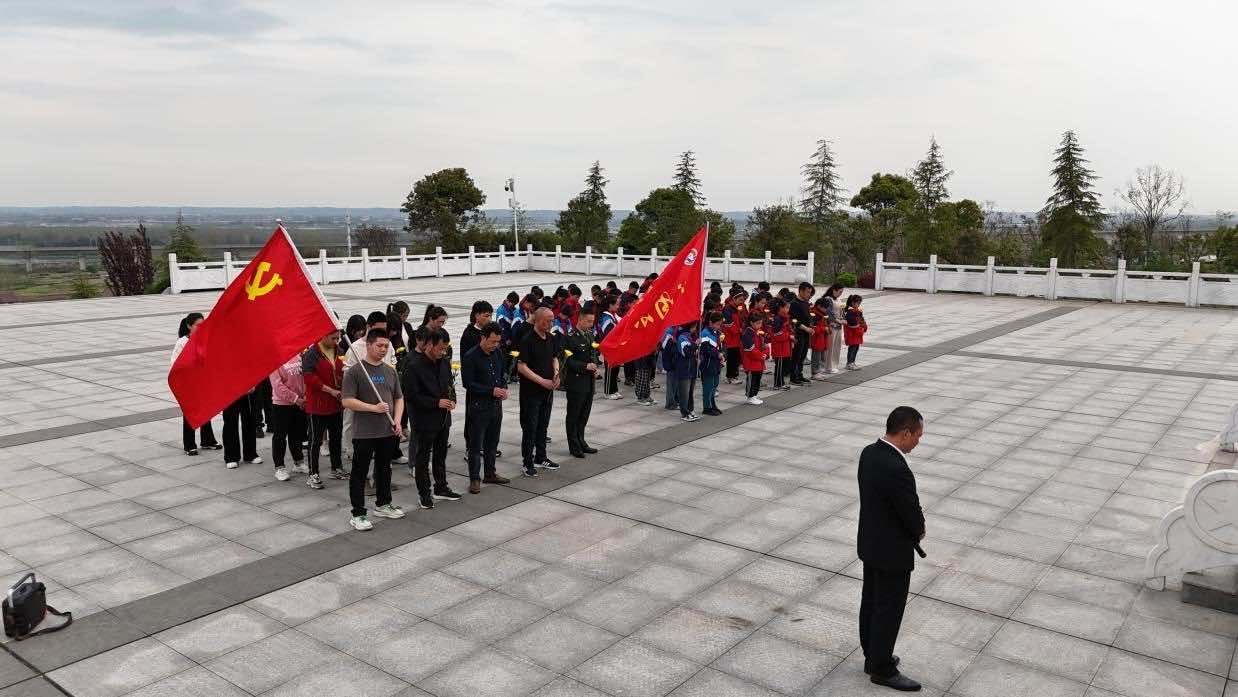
x=673 y=298
x=269 y=313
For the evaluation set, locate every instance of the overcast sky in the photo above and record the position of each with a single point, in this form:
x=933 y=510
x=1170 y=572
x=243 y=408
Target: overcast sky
x=224 y=102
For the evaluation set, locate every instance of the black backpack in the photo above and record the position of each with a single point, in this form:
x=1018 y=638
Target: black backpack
x=26 y=606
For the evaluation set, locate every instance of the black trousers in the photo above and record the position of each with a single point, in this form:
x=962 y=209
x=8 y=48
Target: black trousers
x=754 y=384
x=799 y=353
x=289 y=426
x=483 y=422
x=611 y=381
x=853 y=350
x=363 y=451
x=629 y=372
x=431 y=445
x=780 y=371
x=187 y=436
x=579 y=406
x=262 y=406
x=882 y=601
x=733 y=361
x=687 y=403
x=332 y=426
x=535 y=406
x=239 y=442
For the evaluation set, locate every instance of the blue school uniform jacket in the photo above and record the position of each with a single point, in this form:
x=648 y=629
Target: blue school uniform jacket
x=710 y=353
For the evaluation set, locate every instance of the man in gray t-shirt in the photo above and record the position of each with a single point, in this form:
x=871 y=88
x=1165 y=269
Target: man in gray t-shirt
x=375 y=428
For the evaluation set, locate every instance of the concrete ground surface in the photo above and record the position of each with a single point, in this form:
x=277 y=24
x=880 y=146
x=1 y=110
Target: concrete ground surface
x=714 y=558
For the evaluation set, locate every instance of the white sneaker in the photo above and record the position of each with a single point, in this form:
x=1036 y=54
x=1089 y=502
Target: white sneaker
x=850 y=366
x=360 y=522
x=831 y=371
x=314 y=481
x=389 y=511
x=300 y=467
x=614 y=396
x=401 y=460
x=755 y=401
x=232 y=465
x=281 y=474
x=255 y=461
x=691 y=417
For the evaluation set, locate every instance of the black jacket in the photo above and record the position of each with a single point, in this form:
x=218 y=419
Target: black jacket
x=575 y=377
x=891 y=520
x=426 y=382
x=469 y=338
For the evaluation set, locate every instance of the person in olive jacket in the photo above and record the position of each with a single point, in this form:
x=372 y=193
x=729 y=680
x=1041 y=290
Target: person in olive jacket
x=580 y=372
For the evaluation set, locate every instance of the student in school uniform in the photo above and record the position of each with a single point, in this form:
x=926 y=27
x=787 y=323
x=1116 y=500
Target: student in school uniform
x=752 y=352
x=606 y=323
x=854 y=330
x=734 y=320
x=666 y=357
x=686 y=367
x=710 y=353
x=820 y=342
x=780 y=343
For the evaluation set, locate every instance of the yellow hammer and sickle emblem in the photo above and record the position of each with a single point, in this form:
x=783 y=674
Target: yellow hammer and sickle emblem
x=256 y=287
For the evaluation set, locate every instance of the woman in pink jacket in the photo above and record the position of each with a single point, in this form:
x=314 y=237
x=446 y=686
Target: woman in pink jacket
x=288 y=396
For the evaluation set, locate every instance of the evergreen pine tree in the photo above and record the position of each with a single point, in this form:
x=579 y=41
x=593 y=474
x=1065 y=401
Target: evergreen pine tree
x=586 y=220
x=930 y=176
x=182 y=242
x=686 y=178
x=1072 y=182
x=1073 y=211
x=822 y=190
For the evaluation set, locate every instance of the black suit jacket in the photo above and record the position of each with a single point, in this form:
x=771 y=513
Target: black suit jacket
x=425 y=382
x=891 y=520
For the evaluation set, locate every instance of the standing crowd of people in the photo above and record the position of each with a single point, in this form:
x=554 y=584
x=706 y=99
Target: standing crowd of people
x=381 y=386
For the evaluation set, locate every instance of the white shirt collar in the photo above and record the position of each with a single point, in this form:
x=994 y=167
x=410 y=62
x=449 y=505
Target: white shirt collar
x=900 y=452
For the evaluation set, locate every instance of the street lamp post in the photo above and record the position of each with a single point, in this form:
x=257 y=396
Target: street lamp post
x=510 y=187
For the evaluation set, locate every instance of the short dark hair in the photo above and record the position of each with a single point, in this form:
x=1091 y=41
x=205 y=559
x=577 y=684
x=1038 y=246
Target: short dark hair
x=375 y=334
x=589 y=308
x=805 y=285
x=757 y=316
x=375 y=317
x=436 y=336
x=763 y=285
x=713 y=318
x=490 y=329
x=903 y=419
x=513 y=298
x=633 y=286
x=608 y=301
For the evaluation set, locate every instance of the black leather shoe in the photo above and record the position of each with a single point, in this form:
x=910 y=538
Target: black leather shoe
x=897 y=681
x=577 y=453
x=896 y=662
x=588 y=451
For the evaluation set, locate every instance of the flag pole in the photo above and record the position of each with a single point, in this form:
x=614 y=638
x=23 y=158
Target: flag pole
x=330 y=310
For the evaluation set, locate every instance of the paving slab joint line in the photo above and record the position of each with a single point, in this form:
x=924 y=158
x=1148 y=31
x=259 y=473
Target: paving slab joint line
x=772 y=405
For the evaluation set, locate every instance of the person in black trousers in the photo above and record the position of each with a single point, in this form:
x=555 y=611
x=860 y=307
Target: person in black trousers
x=240 y=441
x=428 y=384
x=187 y=326
x=485 y=385
x=580 y=369
x=801 y=325
x=890 y=529
x=538 y=366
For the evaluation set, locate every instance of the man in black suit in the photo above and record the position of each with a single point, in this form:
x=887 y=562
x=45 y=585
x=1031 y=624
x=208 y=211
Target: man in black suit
x=891 y=527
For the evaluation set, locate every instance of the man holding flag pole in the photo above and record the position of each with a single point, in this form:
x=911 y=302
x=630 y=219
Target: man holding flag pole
x=273 y=298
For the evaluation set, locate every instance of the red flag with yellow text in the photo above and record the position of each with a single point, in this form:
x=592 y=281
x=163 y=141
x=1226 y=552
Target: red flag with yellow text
x=673 y=298
x=269 y=313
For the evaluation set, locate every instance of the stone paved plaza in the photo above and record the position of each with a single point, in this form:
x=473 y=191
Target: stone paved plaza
x=713 y=559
